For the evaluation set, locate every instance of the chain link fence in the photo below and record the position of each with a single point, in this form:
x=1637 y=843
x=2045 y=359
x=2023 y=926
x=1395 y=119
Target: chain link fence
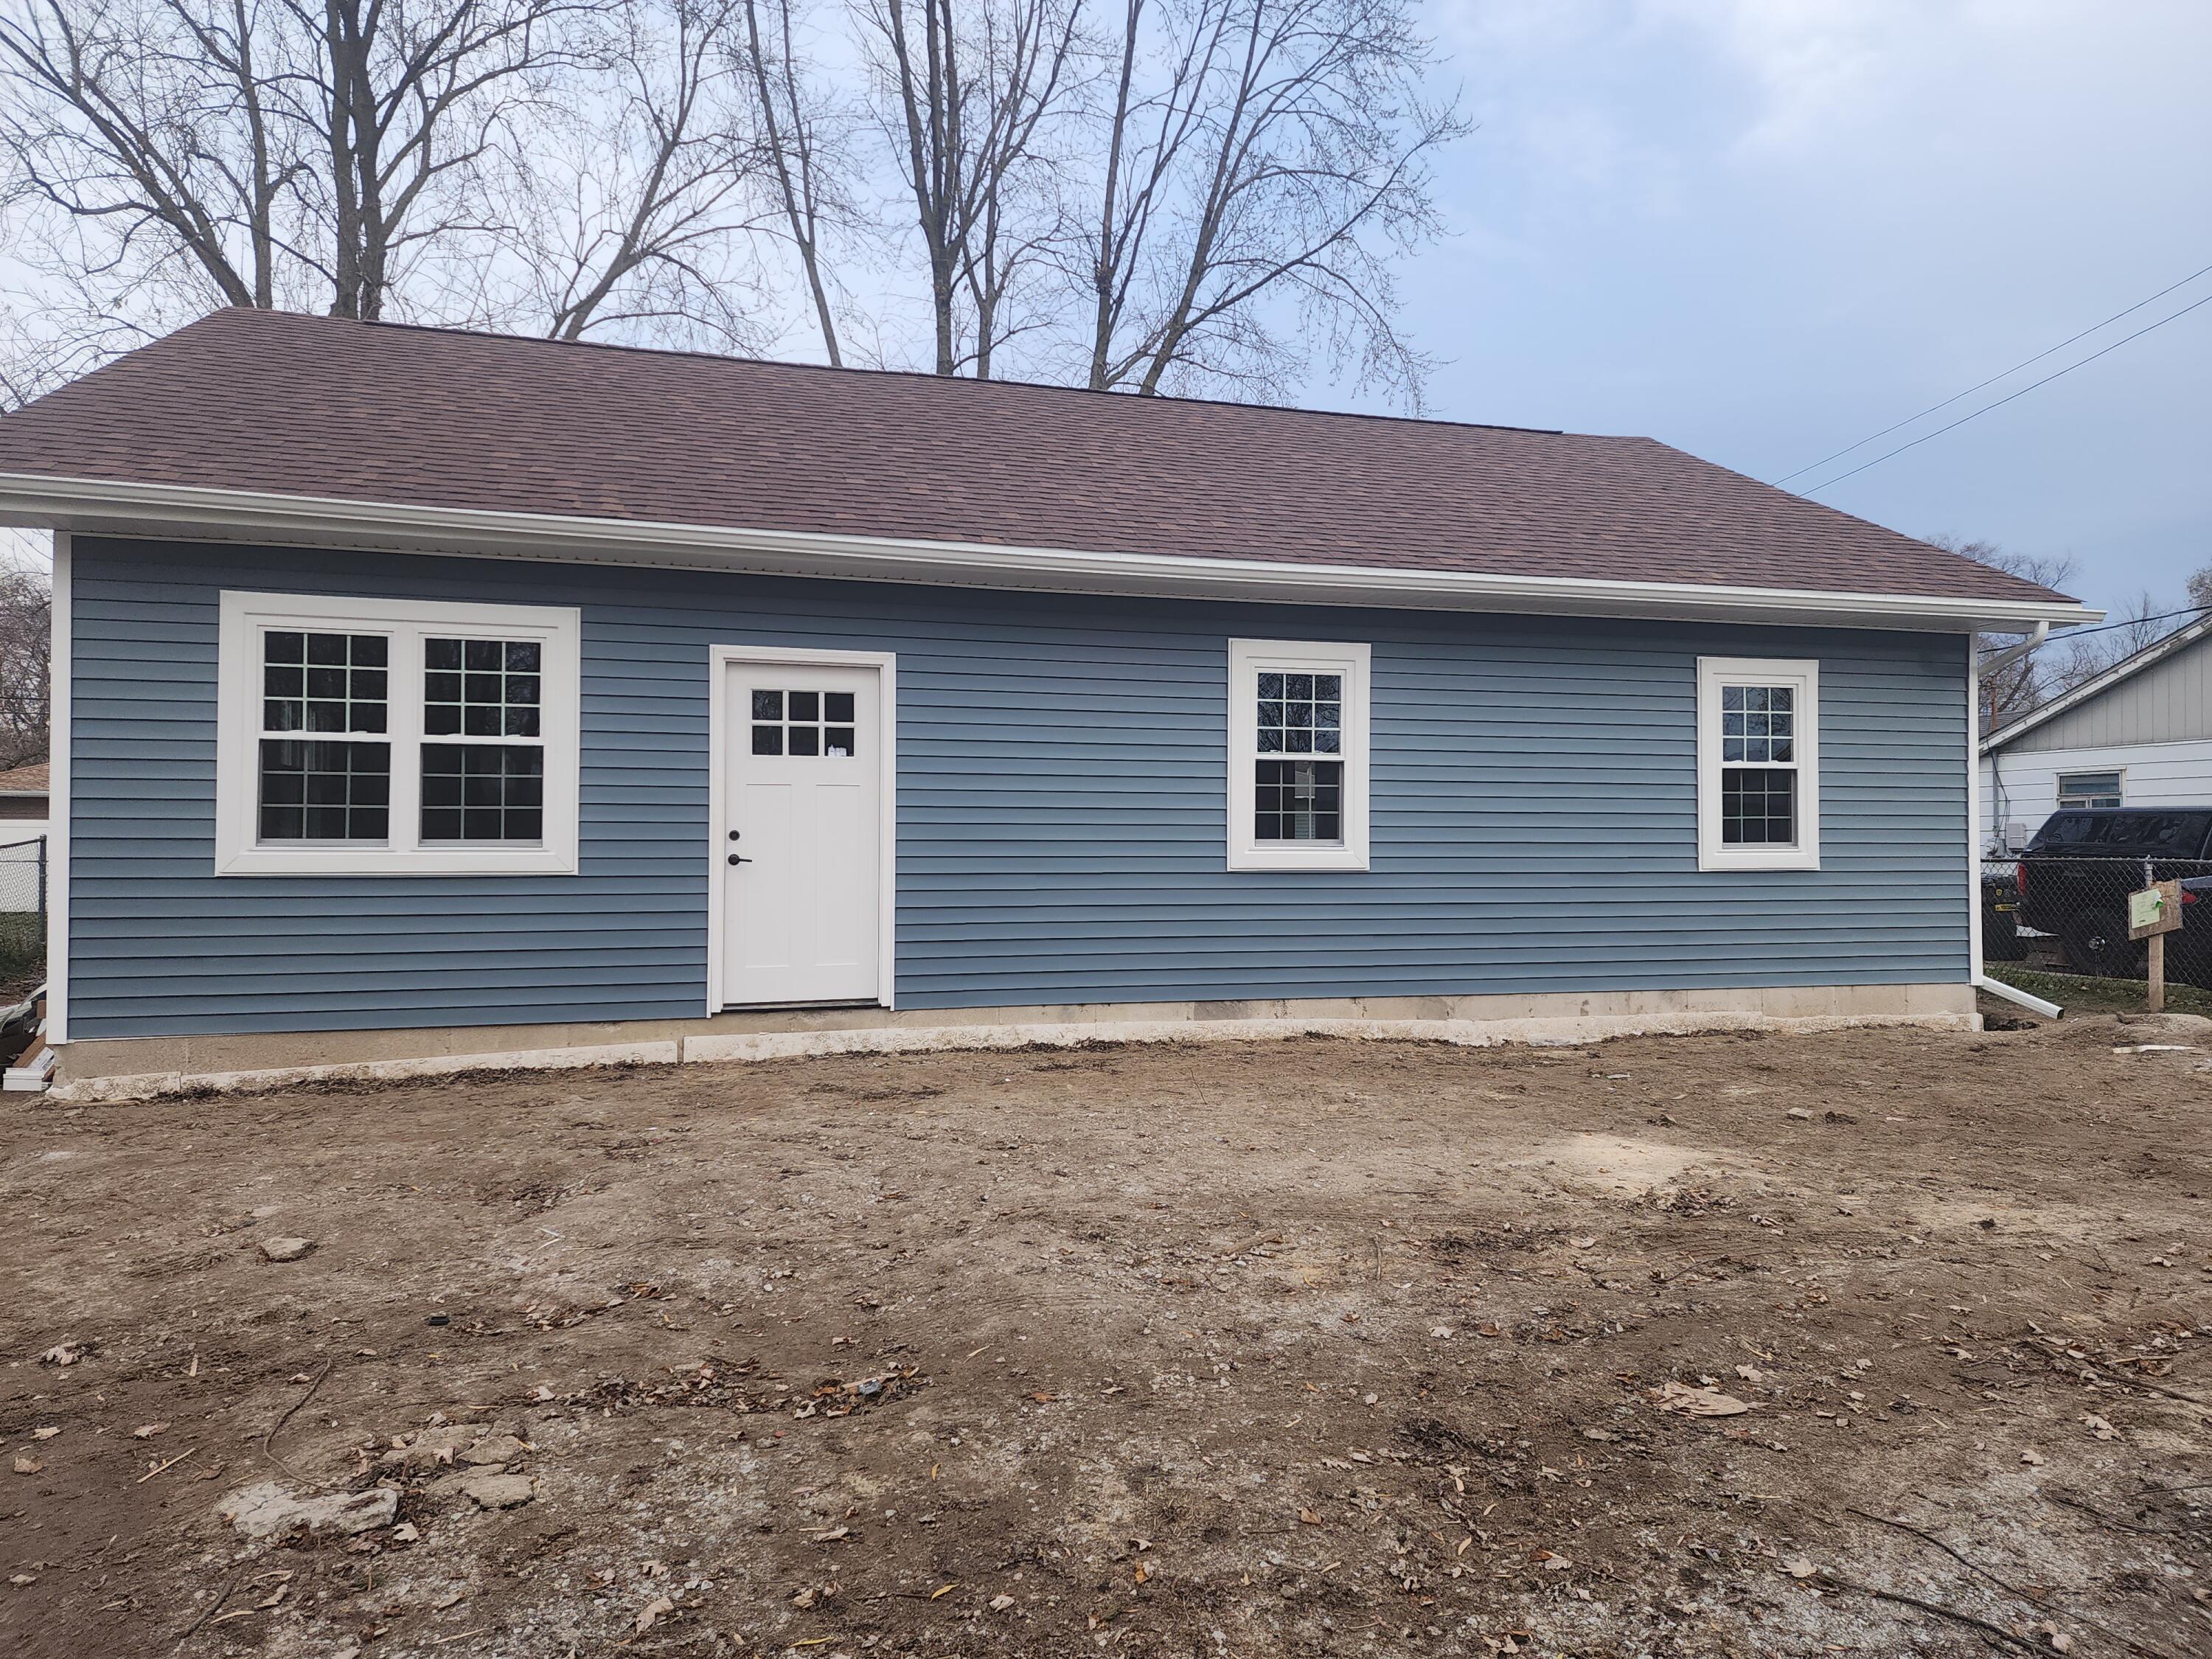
x=22 y=909
x=2059 y=913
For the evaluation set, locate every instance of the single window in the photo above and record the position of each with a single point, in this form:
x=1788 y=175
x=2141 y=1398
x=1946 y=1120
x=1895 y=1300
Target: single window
x=1759 y=798
x=1298 y=756
x=2080 y=791
x=371 y=736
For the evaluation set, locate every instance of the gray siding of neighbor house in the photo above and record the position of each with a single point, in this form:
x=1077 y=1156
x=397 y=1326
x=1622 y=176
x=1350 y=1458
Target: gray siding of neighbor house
x=2170 y=702
x=1060 y=808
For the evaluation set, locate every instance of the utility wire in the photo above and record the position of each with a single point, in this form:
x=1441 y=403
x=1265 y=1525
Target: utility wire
x=1992 y=381
x=2134 y=621
x=2054 y=373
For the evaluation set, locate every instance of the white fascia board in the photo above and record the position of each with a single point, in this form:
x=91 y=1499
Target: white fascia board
x=96 y=507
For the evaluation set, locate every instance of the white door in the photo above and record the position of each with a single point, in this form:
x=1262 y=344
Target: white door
x=804 y=839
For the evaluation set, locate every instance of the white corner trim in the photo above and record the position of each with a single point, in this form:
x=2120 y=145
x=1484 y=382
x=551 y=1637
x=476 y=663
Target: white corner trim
x=245 y=616
x=722 y=726
x=105 y=507
x=1973 y=819
x=1247 y=659
x=1803 y=674
x=58 y=814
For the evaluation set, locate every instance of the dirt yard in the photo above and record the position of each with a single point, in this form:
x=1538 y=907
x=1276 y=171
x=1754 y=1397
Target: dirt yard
x=1871 y=1343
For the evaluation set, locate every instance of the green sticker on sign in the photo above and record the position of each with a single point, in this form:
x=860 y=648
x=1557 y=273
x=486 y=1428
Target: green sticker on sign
x=2146 y=909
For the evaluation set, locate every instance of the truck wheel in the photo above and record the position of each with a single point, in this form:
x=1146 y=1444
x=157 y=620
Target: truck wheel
x=2097 y=942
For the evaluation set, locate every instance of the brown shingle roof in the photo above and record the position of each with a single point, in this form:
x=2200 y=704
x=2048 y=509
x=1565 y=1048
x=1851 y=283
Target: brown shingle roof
x=288 y=404
x=33 y=779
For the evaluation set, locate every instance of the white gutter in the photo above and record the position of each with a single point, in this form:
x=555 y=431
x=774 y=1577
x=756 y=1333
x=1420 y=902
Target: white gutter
x=97 y=506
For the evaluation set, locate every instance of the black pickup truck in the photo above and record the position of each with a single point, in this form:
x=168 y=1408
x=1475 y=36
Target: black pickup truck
x=2075 y=876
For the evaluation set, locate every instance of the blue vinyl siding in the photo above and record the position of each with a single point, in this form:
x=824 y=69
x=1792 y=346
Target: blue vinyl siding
x=1060 y=834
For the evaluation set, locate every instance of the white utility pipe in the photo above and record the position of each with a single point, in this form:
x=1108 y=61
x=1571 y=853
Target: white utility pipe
x=1997 y=987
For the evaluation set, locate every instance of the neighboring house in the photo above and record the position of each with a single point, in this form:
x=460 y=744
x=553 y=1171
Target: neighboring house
x=23 y=803
x=427 y=698
x=2139 y=734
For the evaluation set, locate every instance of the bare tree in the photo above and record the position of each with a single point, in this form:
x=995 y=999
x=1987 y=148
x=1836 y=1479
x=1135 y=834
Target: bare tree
x=630 y=210
x=409 y=99
x=970 y=101
x=1265 y=160
x=2020 y=686
x=25 y=664
x=2199 y=588
x=804 y=142
x=155 y=136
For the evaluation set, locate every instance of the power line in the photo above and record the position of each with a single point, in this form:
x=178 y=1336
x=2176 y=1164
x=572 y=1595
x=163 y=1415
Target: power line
x=2132 y=622
x=2147 y=328
x=1900 y=425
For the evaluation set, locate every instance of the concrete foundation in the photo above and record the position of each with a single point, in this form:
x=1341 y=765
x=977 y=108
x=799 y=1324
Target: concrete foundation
x=128 y=1067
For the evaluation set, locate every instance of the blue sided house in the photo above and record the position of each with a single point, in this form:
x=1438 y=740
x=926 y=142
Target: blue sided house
x=429 y=699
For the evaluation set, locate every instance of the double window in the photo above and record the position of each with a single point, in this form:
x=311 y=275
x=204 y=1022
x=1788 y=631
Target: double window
x=368 y=736
x=2088 y=789
x=1758 y=785
x=1298 y=756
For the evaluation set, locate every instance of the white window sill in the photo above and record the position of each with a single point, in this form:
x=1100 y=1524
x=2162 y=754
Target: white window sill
x=1292 y=857
x=1759 y=858
x=388 y=861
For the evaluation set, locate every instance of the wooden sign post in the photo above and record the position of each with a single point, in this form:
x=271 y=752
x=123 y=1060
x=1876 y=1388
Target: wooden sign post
x=2153 y=913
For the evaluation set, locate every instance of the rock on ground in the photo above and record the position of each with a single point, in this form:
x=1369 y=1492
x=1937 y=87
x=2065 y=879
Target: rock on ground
x=266 y=1510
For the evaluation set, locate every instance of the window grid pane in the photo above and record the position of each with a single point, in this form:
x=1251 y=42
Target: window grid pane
x=1300 y=713
x=483 y=792
x=481 y=688
x=1759 y=724
x=1758 y=806
x=324 y=682
x=1298 y=800
x=325 y=791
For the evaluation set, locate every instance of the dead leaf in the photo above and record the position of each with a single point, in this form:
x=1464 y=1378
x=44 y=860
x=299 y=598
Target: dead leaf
x=147 y=1430
x=26 y=1464
x=1800 y=1566
x=1001 y=1603
x=1699 y=1403
x=2097 y=1427
x=63 y=1353
x=2031 y=1457
x=45 y=1434
x=1143 y=1574
x=1751 y=1373
x=1310 y=1516
x=833 y=1534
x=659 y=1608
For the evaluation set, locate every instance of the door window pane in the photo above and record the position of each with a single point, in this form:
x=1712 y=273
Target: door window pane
x=805 y=723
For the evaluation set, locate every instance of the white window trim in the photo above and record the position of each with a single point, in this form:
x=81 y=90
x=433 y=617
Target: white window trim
x=247 y=616
x=1247 y=658
x=1802 y=675
x=2058 y=786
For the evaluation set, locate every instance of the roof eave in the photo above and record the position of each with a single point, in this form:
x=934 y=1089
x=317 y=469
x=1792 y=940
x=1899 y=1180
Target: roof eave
x=105 y=507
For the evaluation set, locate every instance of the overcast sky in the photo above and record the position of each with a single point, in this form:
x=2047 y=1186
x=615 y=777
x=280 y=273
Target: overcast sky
x=1762 y=229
